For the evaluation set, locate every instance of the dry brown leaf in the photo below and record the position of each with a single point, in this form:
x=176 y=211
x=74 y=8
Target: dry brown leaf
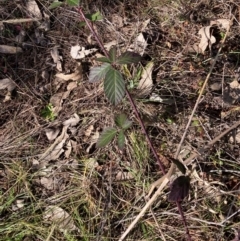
x=33 y=9
x=57 y=101
x=146 y=83
x=59 y=217
x=123 y=176
x=57 y=59
x=9 y=85
x=52 y=133
x=207 y=39
x=222 y=23
x=47 y=182
x=68 y=149
x=5 y=49
x=78 y=52
x=73 y=76
x=139 y=44
x=72 y=121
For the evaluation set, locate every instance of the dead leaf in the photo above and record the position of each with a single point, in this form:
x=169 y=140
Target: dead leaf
x=68 y=149
x=78 y=52
x=123 y=176
x=56 y=58
x=207 y=39
x=18 y=204
x=235 y=138
x=9 y=85
x=139 y=45
x=52 y=133
x=5 y=49
x=222 y=23
x=56 y=149
x=77 y=75
x=33 y=9
x=146 y=83
x=117 y=20
x=109 y=45
x=59 y=217
x=89 y=130
x=72 y=121
x=57 y=101
x=47 y=182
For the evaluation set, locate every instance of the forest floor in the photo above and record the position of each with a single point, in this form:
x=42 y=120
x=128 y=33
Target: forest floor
x=55 y=183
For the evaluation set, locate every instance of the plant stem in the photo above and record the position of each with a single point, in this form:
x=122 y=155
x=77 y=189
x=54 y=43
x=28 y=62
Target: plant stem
x=184 y=220
x=127 y=92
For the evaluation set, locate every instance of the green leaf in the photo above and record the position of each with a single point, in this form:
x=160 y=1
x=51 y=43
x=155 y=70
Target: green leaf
x=94 y=17
x=106 y=137
x=73 y=2
x=55 y=5
x=121 y=140
x=98 y=73
x=104 y=59
x=179 y=165
x=128 y=58
x=113 y=54
x=114 y=86
x=122 y=121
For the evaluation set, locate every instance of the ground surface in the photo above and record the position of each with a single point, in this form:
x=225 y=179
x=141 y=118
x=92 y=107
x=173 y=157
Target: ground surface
x=55 y=184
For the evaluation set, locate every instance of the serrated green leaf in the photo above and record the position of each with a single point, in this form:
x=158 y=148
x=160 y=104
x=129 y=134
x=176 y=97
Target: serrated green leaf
x=55 y=5
x=122 y=121
x=106 y=137
x=128 y=58
x=121 y=140
x=73 y=2
x=104 y=59
x=113 y=54
x=114 y=86
x=179 y=165
x=94 y=17
x=98 y=73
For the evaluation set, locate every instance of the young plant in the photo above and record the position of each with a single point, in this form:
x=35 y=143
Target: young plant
x=122 y=124
x=114 y=84
x=47 y=113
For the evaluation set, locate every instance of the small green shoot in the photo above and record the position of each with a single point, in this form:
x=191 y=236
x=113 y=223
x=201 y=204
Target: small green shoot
x=122 y=124
x=70 y=3
x=47 y=113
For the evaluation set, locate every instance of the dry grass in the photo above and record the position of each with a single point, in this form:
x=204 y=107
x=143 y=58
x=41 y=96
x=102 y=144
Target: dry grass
x=103 y=190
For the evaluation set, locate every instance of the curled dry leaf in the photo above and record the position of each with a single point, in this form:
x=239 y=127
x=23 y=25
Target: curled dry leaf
x=72 y=121
x=146 y=83
x=59 y=217
x=57 y=59
x=33 y=9
x=222 y=23
x=9 y=85
x=57 y=101
x=139 y=45
x=47 y=182
x=52 y=133
x=207 y=39
x=78 y=52
x=5 y=49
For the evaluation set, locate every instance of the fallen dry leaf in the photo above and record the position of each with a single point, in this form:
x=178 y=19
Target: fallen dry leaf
x=59 y=217
x=33 y=9
x=57 y=59
x=52 y=133
x=222 y=23
x=139 y=45
x=57 y=101
x=207 y=39
x=5 y=49
x=47 y=182
x=78 y=52
x=146 y=83
x=123 y=176
x=9 y=85
x=72 y=121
